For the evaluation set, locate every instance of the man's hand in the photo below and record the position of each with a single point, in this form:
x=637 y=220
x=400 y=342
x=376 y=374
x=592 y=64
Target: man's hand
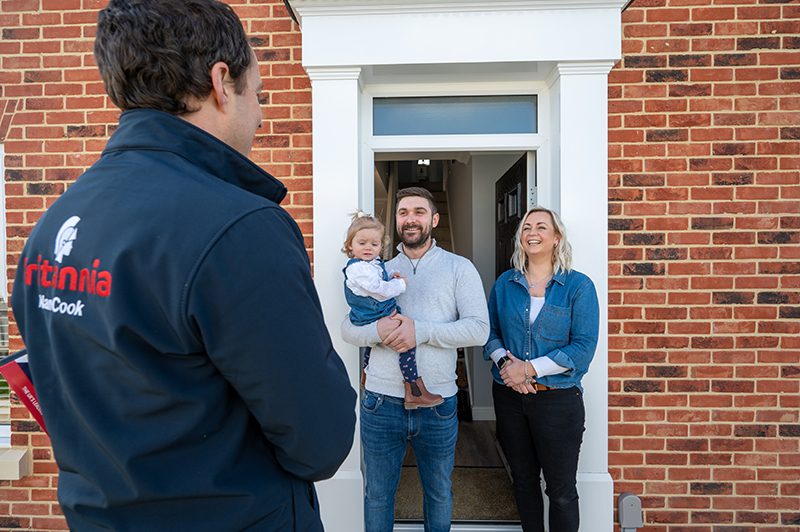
x=402 y=338
x=386 y=326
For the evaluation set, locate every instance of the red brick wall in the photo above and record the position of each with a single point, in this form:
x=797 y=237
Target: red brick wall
x=61 y=124
x=704 y=189
x=704 y=132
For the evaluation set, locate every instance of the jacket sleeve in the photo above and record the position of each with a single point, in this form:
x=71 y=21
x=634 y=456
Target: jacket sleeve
x=471 y=327
x=584 y=329
x=495 y=341
x=253 y=303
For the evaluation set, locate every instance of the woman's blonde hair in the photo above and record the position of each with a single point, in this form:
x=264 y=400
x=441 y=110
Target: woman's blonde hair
x=362 y=220
x=562 y=252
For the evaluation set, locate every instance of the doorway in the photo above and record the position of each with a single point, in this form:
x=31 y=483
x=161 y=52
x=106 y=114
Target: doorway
x=463 y=185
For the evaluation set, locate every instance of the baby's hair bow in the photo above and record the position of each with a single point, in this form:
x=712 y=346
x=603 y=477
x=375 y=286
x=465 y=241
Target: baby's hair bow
x=360 y=214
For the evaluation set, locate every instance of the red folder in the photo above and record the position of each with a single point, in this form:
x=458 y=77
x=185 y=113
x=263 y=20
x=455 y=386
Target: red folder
x=14 y=368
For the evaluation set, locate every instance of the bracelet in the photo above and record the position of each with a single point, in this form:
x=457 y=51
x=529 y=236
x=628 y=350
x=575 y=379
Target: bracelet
x=528 y=378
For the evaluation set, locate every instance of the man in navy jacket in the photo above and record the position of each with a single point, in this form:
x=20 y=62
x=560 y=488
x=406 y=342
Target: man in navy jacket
x=176 y=340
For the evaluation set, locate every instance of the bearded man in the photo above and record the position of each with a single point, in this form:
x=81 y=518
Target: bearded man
x=444 y=308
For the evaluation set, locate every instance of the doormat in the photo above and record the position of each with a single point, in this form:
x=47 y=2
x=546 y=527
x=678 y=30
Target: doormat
x=479 y=494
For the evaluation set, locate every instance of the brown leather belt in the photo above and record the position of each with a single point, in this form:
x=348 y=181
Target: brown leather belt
x=541 y=387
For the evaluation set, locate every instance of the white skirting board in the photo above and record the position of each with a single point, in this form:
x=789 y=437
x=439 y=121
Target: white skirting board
x=483 y=413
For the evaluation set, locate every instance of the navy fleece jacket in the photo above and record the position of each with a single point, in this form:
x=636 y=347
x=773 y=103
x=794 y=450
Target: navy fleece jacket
x=177 y=343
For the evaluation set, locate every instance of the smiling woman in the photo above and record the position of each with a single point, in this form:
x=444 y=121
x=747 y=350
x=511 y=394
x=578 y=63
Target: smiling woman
x=544 y=327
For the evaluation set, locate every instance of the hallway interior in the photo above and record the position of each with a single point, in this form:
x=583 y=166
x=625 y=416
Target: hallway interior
x=481 y=485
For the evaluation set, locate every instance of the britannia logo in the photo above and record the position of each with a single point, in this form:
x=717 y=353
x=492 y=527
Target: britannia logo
x=91 y=279
x=65 y=237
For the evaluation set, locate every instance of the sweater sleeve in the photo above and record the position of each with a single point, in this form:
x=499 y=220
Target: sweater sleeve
x=253 y=303
x=361 y=336
x=495 y=342
x=472 y=326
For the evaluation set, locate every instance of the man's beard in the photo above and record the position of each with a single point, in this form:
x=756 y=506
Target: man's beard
x=415 y=242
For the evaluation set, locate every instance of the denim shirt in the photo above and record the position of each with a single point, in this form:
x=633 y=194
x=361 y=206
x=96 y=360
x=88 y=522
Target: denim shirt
x=565 y=330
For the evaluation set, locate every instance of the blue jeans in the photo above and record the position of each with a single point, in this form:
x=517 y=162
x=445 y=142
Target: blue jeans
x=386 y=427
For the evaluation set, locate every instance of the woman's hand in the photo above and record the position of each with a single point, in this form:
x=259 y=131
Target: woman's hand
x=514 y=374
x=524 y=388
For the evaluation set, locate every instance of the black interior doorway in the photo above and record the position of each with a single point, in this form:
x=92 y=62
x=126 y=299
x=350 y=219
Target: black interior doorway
x=510 y=207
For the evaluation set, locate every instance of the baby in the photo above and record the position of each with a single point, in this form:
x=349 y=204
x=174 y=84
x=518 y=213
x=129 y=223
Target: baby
x=370 y=292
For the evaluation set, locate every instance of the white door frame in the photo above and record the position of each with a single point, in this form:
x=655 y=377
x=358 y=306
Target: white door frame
x=355 y=49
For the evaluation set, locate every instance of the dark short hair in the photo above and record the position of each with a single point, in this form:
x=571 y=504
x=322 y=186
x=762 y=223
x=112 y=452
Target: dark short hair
x=158 y=54
x=419 y=192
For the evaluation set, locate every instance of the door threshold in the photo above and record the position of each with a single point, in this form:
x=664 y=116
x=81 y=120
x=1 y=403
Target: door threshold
x=461 y=527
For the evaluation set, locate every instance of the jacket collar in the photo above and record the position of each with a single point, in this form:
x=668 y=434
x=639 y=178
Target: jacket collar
x=149 y=129
x=518 y=277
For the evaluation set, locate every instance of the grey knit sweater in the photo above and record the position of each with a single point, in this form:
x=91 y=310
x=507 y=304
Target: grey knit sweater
x=446 y=300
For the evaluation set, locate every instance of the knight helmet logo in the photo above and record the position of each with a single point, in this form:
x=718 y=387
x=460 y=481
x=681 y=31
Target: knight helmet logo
x=66 y=235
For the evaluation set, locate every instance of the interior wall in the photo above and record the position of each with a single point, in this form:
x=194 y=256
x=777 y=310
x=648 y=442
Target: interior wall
x=486 y=170
x=459 y=194
x=380 y=184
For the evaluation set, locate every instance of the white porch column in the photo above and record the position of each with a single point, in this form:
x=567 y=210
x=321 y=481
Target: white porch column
x=580 y=193
x=335 y=129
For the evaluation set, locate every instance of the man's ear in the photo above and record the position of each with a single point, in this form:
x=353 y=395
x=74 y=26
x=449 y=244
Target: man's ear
x=435 y=220
x=219 y=89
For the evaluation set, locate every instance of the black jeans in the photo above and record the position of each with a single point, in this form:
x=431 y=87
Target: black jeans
x=542 y=432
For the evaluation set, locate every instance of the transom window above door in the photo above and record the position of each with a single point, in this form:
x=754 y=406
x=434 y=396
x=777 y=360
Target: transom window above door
x=455 y=115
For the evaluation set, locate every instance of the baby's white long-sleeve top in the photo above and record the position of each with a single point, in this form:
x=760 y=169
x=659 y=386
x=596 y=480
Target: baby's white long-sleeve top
x=366 y=279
